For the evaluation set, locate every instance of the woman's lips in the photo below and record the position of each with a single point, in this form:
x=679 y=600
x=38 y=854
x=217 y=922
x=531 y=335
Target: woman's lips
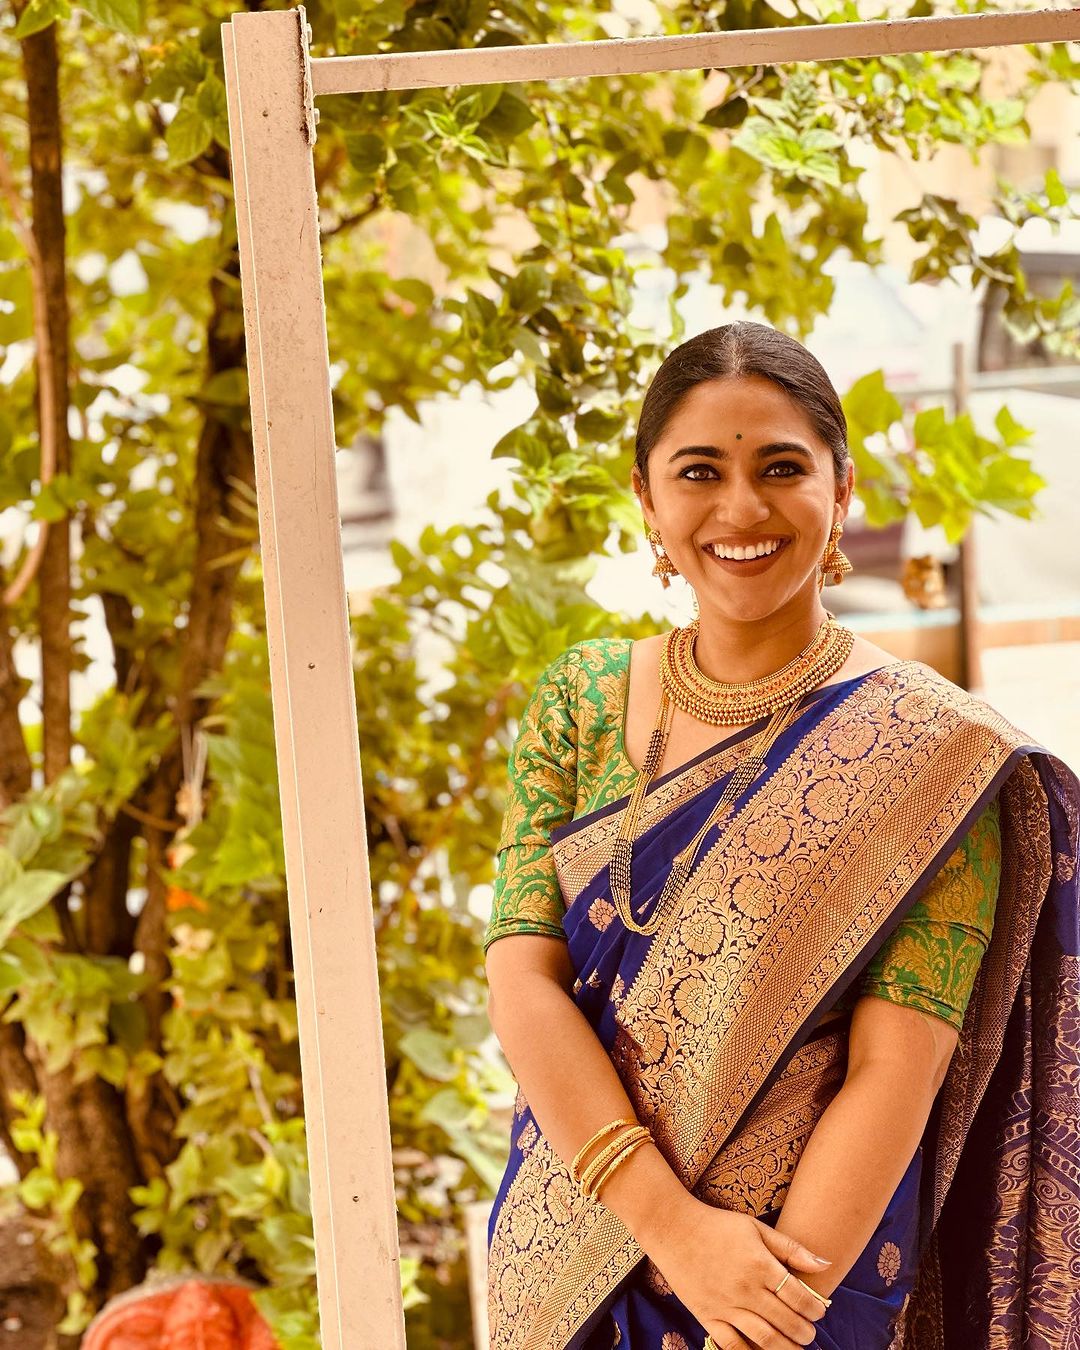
x=746 y=567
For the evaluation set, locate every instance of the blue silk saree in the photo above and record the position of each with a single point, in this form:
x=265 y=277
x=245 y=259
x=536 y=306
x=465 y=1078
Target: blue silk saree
x=715 y=1025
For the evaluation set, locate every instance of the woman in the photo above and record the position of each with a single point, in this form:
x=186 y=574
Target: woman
x=784 y=951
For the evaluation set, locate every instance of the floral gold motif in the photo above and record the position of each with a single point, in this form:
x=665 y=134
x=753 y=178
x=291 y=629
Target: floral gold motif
x=889 y=1262
x=601 y=913
x=655 y=1280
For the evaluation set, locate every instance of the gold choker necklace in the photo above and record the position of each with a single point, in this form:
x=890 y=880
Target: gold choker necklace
x=722 y=704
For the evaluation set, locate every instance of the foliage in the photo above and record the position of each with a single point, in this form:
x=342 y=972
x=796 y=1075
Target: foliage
x=41 y=1191
x=144 y=952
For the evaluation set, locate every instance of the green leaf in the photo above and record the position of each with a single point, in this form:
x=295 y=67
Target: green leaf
x=511 y=116
x=432 y=1053
x=38 y=14
x=12 y=975
x=183 y=69
x=44 y=926
x=447 y=1109
x=189 y=134
x=731 y=113
x=931 y=426
x=211 y=103
x=123 y=15
x=1010 y=430
x=870 y=406
x=530 y=289
x=366 y=151
x=1056 y=192
x=37 y=1189
x=485 y=1161
x=23 y=893
x=599 y=426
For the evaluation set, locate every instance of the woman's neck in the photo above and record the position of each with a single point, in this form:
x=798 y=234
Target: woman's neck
x=738 y=652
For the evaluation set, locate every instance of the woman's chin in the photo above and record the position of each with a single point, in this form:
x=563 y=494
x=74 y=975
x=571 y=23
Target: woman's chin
x=740 y=609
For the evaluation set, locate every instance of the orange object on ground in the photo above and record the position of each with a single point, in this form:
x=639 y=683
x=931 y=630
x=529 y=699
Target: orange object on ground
x=187 y=1315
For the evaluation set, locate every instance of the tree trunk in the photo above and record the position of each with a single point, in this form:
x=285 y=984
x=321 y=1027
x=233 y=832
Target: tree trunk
x=41 y=66
x=95 y=1146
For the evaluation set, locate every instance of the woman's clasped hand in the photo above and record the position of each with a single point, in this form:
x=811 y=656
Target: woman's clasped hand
x=724 y=1267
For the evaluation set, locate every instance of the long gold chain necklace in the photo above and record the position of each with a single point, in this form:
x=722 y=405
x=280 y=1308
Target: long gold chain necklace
x=778 y=697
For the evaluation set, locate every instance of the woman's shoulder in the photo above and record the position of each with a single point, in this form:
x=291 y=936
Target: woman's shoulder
x=593 y=657
x=602 y=654
x=585 y=669
x=920 y=691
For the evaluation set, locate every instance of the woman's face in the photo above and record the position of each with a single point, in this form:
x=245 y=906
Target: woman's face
x=739 y=467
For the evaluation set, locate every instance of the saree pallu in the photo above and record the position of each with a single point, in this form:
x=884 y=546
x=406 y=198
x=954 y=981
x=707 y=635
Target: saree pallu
x=714 y=1024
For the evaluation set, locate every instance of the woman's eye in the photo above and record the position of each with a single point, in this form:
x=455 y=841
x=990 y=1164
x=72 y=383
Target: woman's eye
x=703 y=473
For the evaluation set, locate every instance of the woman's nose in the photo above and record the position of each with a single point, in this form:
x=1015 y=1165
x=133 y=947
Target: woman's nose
x=742 y=503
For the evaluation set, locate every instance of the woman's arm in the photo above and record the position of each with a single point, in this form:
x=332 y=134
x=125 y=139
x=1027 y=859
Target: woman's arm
x=568 y=1079
x=573 y=1089
x=903 y=1034
x=865 y=1139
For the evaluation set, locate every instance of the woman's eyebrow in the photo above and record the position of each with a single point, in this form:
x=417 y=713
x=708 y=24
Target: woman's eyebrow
x=717 y=452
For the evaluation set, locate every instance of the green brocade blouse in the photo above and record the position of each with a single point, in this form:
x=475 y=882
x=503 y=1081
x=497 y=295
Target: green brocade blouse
x=569 y=759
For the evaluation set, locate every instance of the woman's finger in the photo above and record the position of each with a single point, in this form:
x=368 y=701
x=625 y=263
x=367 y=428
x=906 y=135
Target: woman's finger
x=791 y=1292
x=791 y=1253
x=778 y=1313
x=763 y=1333
x=725 y=1337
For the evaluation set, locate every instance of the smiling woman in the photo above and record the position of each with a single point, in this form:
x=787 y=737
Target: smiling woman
x=731 y=975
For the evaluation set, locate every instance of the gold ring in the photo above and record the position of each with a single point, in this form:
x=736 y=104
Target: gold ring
x=787 y=1276
x=827 y=1302
x=710 y=1344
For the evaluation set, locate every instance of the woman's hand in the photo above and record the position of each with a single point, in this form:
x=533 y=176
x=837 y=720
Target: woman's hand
x=724 y=1267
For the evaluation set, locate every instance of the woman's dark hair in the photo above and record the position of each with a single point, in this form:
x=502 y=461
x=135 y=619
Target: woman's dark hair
x=743 y=349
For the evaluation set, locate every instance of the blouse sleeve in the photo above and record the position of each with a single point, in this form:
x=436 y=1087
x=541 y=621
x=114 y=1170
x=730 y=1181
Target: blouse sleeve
x=542 y=772
x=931 y=961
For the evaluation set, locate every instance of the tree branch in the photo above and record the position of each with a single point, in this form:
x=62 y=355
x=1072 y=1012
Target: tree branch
x=16 y=772
x=357 y=218
x=43 y=345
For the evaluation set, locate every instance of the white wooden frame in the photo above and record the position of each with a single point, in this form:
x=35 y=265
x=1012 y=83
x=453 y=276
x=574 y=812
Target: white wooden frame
x=272 y=84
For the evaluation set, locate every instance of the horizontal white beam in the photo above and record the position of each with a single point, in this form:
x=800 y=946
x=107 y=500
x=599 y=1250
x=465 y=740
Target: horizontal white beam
x=695 y=51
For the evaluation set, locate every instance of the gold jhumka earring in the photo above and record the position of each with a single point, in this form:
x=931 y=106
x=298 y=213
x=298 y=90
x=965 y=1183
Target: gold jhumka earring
x=834 y=566
x=663 y=568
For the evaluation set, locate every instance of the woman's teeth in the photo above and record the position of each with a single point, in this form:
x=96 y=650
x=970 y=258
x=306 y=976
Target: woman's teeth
x=739 y=553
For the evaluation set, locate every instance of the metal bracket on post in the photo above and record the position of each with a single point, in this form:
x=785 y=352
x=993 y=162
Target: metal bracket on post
x=272 y=129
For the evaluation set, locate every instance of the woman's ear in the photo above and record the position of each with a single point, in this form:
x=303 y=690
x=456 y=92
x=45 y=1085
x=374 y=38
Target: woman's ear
x=844 y=492
x=641 y=492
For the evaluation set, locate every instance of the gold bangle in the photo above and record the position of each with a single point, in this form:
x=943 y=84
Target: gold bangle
x=609 y=1150
x=827 y=1301
x=609 y=1154
x=601 y=1133
x=592 y=1170
x=612 y=1167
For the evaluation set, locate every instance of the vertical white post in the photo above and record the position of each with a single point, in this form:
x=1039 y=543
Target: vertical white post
x=272 y=129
